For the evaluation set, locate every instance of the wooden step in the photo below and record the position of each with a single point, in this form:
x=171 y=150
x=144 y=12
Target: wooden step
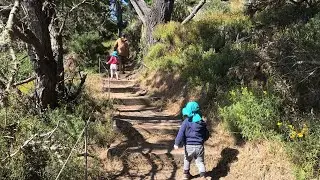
x=134 y=108
x=145 y=118
x=120 y=89
x=129 y=101
x=118 y=82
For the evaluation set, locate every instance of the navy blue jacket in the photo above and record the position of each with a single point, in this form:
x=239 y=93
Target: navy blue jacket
x=191 y=133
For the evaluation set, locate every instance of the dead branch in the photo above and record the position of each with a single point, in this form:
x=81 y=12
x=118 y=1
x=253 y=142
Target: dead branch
x=141 y=8
x=21 y=147
x=5 y=10
x=194 y=11
x=22 y=31
x=15 y=68
x=83 y=78
x=309 y=62
x=49 y=134
x=297 y=2
x=7 y=34
x=24 y=81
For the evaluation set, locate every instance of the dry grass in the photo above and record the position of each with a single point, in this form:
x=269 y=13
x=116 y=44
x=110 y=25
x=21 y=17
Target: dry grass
x=94 y=87
x=236 y=5
x=261 y=160
x=171 y=89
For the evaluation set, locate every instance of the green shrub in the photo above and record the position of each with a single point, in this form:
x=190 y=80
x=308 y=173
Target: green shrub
x=101 y=133
x=253 y=116
x=55 y=133
x=25 y=67
x=89 y=46
x=305 y=152
x=217 y=6
x=217 y=52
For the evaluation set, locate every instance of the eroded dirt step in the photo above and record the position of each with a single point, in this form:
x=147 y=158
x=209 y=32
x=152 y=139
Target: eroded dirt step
x=127 y=95
x=120 y=89
x=147 y=124
x=118 y=82
x=134 y=108
x=146 y=118
x=130 y=100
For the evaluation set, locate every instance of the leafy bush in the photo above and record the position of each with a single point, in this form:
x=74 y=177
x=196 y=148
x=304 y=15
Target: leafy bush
x=51 y=136
x=180 y=45
x=89 y=46
x=219 y=52
x=217 y=6
x=253 y=116
x=305 y=152
x=25 y=67
x=134 y=36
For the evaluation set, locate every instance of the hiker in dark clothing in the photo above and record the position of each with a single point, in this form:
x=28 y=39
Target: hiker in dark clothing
x=192 y=133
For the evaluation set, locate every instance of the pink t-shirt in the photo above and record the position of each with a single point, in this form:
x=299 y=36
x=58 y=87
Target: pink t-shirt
x=113 y=60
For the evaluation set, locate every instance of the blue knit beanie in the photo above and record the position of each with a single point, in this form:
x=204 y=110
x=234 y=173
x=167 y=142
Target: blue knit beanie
x=192 y=110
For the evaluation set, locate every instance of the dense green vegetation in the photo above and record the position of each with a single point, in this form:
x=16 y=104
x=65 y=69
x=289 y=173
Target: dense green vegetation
x=258 y=69
x=259 y=73
x=35 y=142
x=52 y=135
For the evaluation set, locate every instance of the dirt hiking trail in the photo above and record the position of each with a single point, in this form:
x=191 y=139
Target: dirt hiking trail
x=145 y=149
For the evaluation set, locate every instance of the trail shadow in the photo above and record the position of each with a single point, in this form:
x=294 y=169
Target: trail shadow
x=150 y=118
x=137 y=144
x=228 y=156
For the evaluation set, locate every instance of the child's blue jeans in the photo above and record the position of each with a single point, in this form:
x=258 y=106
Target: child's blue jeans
x=196 y=152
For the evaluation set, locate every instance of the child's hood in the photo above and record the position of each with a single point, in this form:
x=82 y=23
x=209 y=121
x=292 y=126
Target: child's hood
x=114 y=53
x=191 y=110
x=197 y=126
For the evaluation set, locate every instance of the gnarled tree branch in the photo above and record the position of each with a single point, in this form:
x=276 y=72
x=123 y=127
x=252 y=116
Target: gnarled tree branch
x=83 y=78
x=7 y=37
x=28 y=36
x=24 y=81
x=194 y=11
x=20 y=148
x=142 y=9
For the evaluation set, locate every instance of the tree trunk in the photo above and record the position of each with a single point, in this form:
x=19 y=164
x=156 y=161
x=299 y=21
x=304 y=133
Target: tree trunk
x=119 y=17
x=60 y=68
x=160 y=13
x=57 y=48
x=45 y=65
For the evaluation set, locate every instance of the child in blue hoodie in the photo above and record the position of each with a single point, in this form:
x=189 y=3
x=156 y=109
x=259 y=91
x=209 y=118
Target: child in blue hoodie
x=192 y=133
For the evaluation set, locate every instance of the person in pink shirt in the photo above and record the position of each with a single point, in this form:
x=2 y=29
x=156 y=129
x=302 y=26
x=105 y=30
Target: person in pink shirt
x=113 y=61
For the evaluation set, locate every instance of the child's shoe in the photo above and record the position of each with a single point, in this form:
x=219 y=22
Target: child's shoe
x=203 y=176
x=186 y=176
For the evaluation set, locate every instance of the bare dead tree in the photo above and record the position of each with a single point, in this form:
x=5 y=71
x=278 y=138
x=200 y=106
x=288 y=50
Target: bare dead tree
x=159 y=12
x=194 y=12
x=45 y=47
